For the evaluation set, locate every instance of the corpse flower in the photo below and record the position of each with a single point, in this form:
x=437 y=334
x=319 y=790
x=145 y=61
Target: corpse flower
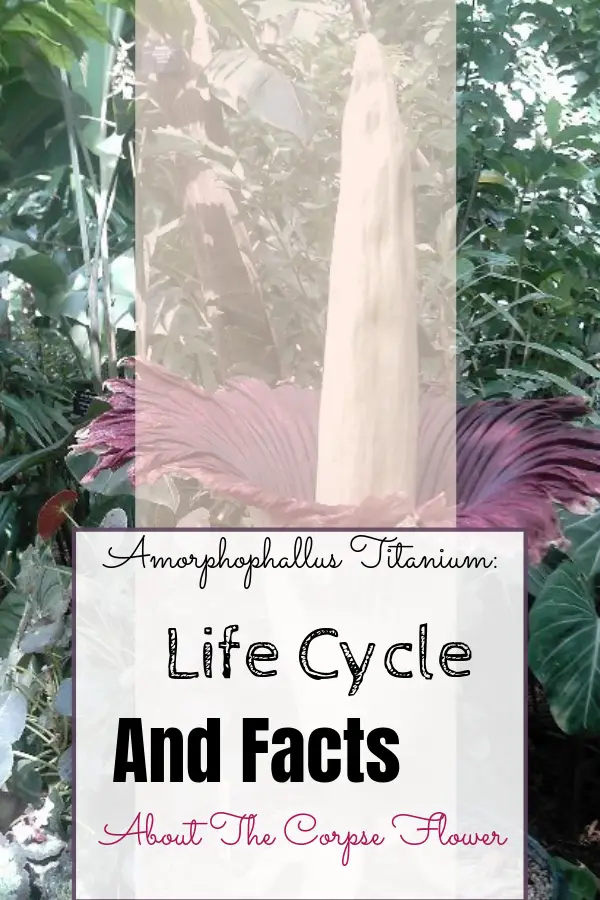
x=371 y=449
x=113 y=432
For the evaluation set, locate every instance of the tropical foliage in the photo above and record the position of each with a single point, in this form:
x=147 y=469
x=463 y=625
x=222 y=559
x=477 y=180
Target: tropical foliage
x=264 y=118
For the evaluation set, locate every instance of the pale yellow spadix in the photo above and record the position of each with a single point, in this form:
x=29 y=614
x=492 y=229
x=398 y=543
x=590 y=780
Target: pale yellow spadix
x=369 y=407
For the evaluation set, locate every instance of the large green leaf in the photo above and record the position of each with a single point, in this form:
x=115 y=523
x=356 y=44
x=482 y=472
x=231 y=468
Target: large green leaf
x=583 y=533
x=122 y=277
x=236 y=75
x=40 y=422
x=47 y=29
x=87 y=20
x=90 y=77
x=73 y=303
x=26 y=110
x=12 y=607
x=552 y=116
x=536 y=578
x=230 y=14
x=581 y=883
x=37 y=269
x=16 y=465
x=107 y=483
x=564 y=649
x=57 y=30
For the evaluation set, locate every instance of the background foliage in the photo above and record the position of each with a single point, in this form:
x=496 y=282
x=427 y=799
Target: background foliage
x=527 y=267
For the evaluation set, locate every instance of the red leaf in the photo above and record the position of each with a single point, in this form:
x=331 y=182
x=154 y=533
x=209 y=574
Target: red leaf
x=54 y=512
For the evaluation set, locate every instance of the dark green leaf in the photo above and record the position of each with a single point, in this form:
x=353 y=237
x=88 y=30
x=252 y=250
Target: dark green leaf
x=564 y=649
x=552 y=117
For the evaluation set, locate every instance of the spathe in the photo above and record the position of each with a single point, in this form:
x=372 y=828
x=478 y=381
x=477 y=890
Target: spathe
x=257 y=445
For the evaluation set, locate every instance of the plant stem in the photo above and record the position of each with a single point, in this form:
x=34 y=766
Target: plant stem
x=92 y=270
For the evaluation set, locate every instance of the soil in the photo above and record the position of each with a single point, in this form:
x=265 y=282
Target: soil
x=564 y=789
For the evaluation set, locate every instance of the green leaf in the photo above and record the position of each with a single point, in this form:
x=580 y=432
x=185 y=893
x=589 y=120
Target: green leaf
x=101 y=507
x=552 y=118
x=504 y=313
x=32 y=267
x=536 y=578
x=6 y=762
x=109 y=484
x=582 y=884
x=23 y=414
x=236 y=75
x=52 y=596
x=163 y=492
x=572 y=133
x=564 y=649
x=587 y=87
x=464 y=270
x=492 y=61
x=11 y=610
x=230 y=14
x=87 y=21
x=583 y=532
x=547 y=378
x=73 y=303
x=65 y=766
x=15 y=465
x=564 y=355
x=52 y=32
x=28 y=111
x=26 y=780
x=13 y=714
x=122 y=276
x=90 y=77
